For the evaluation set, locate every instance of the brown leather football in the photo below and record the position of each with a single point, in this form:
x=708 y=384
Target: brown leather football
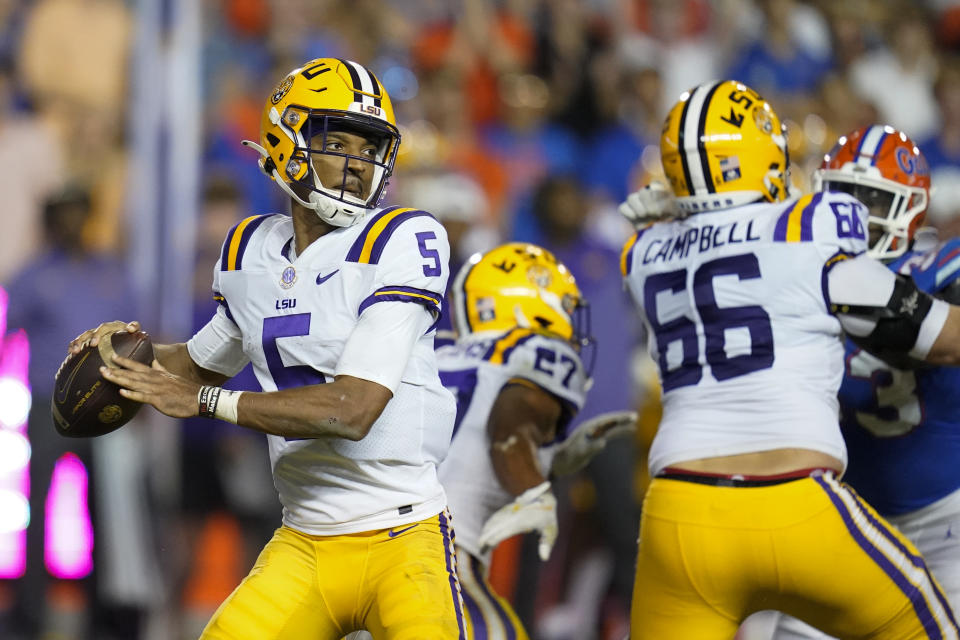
x=84 y=403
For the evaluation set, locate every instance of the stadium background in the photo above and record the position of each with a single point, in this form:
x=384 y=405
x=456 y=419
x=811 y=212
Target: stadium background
x=121 y=170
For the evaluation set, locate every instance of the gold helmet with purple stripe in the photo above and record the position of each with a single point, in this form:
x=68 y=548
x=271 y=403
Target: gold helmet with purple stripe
x=327 y=95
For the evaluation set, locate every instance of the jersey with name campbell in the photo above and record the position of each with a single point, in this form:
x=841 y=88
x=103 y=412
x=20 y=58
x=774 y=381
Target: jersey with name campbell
x=476 y=368
x=902 y=427
x=294 y=316
x=736 y=308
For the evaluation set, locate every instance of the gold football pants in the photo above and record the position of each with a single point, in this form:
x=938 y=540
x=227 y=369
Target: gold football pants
x=399 y=583
x=709 y=556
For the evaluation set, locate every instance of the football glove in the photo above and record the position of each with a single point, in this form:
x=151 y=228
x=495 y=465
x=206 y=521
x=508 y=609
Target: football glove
x=652 y=203
x=533 y=510
x=589 y=439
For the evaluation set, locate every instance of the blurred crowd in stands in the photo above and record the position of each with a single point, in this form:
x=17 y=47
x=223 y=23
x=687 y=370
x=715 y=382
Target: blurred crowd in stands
x=521 y=120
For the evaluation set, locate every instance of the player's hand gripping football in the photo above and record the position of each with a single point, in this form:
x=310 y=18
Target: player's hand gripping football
x=533 y=510
x=92 y=337
x=652 y=203
x=590 y=438
x=168 y=393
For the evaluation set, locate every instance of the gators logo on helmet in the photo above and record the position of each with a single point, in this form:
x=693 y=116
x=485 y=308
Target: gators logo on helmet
x=886 y=171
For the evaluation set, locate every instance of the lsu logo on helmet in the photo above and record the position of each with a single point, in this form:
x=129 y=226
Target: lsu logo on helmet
x=722 y=145
x=519 y=284
x=885 y=170
x=325 y=95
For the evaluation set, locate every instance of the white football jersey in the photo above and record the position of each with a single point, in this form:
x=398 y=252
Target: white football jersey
x=737 y=311
x=476 y=368
x=291 y=316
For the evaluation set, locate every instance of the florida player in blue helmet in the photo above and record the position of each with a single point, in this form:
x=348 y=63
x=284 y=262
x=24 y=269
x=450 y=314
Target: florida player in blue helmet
x=900 y=420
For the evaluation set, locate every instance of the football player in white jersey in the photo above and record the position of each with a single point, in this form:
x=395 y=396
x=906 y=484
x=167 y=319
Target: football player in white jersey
x=517 y=369
x=335 y=306
x=745 y=294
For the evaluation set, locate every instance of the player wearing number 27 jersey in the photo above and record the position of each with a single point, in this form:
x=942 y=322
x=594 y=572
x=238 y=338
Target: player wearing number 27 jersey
x=745 y=296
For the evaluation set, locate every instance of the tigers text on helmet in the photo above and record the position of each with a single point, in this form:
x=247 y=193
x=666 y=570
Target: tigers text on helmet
x=519 y=285
x=882 y=168
x=325 y=96
x=722 y=146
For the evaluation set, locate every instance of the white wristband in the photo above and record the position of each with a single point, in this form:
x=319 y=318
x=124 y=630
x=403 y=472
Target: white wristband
x=227 y=405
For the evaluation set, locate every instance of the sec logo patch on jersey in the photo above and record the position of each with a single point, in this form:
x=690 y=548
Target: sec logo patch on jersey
x=288 y=278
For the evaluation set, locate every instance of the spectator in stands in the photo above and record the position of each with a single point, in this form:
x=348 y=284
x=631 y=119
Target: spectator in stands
x=66 y=272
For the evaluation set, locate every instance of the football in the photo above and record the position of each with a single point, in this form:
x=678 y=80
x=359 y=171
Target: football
x=85 y=404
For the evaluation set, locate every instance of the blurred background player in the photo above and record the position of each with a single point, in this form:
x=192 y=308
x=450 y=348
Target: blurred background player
x=68 y=268
x=899 y=417
x=746 y=298
x=353 y=406
x=519 y=375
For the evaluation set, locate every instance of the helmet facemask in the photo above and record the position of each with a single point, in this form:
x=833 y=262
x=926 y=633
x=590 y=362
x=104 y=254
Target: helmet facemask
x=895 y=210
x=337 y=203
x=312 y=103
x=883 y=169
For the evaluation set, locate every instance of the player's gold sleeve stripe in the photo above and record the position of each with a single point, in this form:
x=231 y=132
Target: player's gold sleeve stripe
x=235 y=243
x=796 y=214
x=387 y=292
x=374 y=232
x=796 y=223
x=506 y=343
x=626 y=257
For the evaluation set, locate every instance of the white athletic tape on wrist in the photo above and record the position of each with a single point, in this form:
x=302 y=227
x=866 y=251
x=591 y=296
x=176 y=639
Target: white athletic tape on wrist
x=217 y=402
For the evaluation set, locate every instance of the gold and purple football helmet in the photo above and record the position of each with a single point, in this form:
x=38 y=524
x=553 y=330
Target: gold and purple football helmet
x=722 y=146
x=323 y=96
x=519 y=285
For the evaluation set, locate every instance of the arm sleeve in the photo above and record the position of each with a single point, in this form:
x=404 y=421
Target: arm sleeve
x=381 y=343
x=413 y=265
x=218 y=346
x=882 y=311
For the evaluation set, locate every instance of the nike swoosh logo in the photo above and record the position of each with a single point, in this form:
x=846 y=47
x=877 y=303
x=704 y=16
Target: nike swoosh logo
x=394 y=534
x=321 y=279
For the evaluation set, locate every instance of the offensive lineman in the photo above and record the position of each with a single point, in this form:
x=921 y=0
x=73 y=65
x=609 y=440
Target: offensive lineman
x=356 y=416
x=518 y=373
x=745 y=298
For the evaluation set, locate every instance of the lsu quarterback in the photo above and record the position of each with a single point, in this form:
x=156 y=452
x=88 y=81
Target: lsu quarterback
x=746 y=291
x=335 y=306
x=899 y=418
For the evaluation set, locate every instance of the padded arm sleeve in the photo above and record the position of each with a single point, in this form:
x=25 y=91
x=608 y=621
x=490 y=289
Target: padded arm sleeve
x=883 y=312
